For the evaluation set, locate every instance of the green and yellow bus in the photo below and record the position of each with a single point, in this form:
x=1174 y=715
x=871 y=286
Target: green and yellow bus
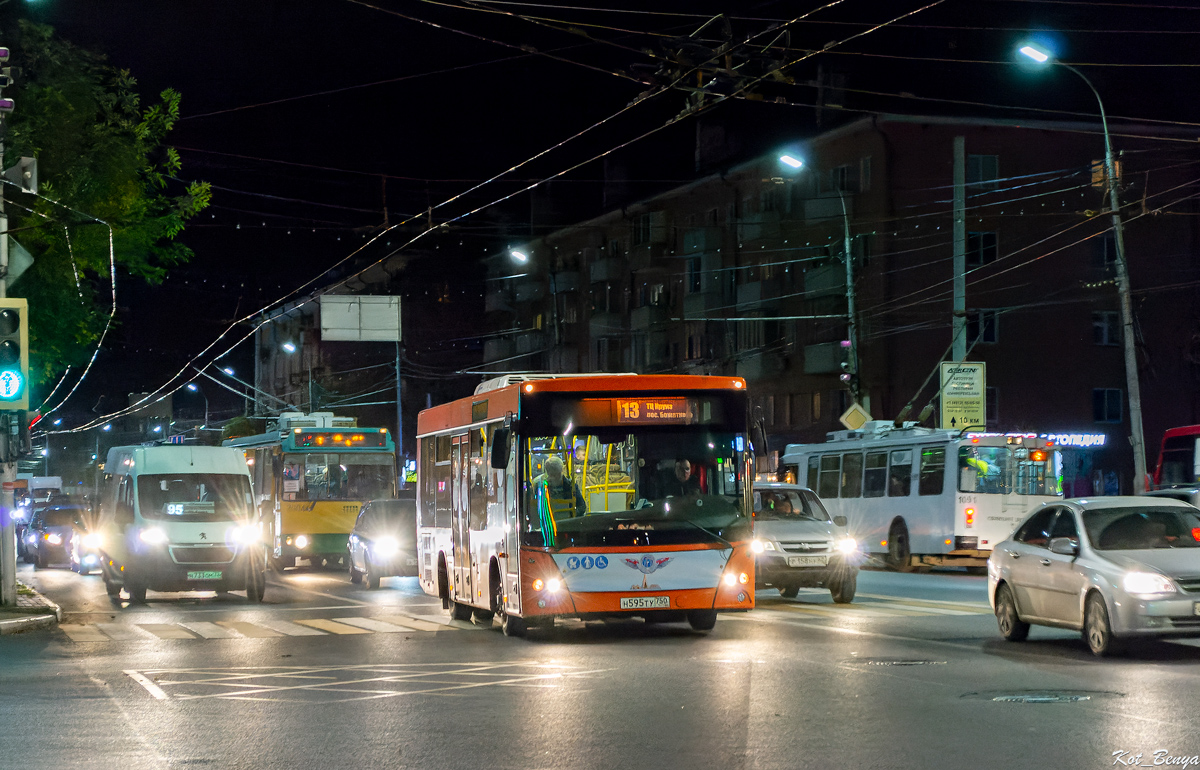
x=311 y=476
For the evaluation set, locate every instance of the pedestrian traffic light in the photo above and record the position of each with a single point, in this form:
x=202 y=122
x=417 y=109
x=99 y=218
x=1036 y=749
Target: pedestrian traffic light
x=14 y=354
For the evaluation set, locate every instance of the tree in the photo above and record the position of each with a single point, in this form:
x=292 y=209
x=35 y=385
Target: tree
x=101 y=156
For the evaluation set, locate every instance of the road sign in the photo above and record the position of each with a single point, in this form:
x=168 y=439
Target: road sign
x=855 y=417
x=964 y=395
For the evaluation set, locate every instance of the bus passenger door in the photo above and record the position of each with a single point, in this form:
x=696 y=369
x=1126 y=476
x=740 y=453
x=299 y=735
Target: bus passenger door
x=459 y=537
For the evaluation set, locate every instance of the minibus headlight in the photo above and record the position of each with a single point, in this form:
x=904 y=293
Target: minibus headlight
x=247 y=533
x=153 y=535
x=91 y=540
x=386 y=546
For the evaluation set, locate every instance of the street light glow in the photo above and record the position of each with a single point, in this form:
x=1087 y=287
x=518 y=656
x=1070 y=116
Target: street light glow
x=520 y=256
x=789 y=160
x=289 y=347
x=192 y=387
x=107 y=427
x=1037 y=53
x=228 y=370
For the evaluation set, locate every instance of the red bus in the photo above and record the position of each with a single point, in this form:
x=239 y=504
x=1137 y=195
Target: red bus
x=588 y=496
x=1179 y=460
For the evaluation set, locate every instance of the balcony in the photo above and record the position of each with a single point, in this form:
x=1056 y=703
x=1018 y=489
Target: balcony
x=609 y=269
x=607 y=324
x=530 y=342
x=566 y=281
x=760 y=366
x=498 y=300
x=648 y=317
x=758 y=295
x=701 y=303
x=702 y=240
x=828 y=208
x=759 y=226
x=498 y=349
x=825 y=280
x=528 y=291
x=823 y=358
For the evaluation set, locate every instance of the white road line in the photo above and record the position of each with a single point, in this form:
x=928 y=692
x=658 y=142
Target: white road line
x=120 y=632
x=151 y=687
x=940 y=602
x=331 y=627
x=167 y=630
x=289 y=628
x=210 y=630
x=371 y=624
x=82 y=633
x=249 y=629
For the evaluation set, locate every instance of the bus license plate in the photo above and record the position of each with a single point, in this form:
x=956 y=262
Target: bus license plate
x=807 y=561
x=646 y=603
x=205 y=575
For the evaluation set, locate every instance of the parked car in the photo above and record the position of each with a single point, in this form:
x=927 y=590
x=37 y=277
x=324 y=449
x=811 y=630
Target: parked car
x=1114 y=568
x=797 y=544
x=384 y=541
x=48 y=538
x=1189 y=495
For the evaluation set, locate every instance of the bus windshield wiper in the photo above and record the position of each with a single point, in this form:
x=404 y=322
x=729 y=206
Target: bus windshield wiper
x=708 y=531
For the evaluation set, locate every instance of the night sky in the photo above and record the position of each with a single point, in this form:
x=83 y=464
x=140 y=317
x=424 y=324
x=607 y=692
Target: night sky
x=309 y=118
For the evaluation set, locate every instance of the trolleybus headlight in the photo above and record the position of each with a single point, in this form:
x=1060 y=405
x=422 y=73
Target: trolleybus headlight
x=1147 y=583
x=386 y=546
x=91 y=540
x=153 y=535
x=847 y=545
x=54 y=538
x=301 y=541
x=247 y=533
x=553 y=585
x=757 y=546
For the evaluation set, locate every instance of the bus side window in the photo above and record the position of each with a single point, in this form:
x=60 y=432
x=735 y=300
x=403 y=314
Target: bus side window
x=933 y=470
x=875 y=476
x=830 y=478
x=812 y=471
x=900 y=474
x=125 y=502
x=429 y=483
x=852 y=467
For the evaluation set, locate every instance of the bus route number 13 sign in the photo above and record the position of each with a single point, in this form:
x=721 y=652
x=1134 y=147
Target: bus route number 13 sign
x=964 y=395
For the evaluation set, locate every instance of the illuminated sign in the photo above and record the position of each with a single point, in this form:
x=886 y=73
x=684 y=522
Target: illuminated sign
x=652 y=411
x=336 y=439
x=1076 y=439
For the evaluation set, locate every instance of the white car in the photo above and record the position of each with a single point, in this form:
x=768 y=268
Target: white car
x=1115 y=568
x=796 y=544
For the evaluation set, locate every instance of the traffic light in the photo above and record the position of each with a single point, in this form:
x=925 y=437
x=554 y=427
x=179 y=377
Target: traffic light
x=14 y=354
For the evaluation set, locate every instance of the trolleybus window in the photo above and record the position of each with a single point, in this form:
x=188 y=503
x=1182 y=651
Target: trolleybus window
x=933 y=470
x=1037 y=471
x=875 y=475
x=900 y=474
x=340 y=476
x=852 y=467
x=983 y=470
x=831 y=473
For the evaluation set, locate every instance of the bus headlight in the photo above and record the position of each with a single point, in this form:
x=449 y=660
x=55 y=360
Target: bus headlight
x=386 y=546
x=730 y=579
x=91 y=540
x=302 y=541
x=553 y=585
x=153 y=535
x=847 y=545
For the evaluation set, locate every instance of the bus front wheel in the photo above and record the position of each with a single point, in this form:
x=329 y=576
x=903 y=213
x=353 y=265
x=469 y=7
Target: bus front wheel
x=899 y=556
x=702 y=620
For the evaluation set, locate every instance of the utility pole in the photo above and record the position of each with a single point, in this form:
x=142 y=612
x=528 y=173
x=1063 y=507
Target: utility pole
x=399 y=421
x=8 y=424
x=959 y=317
x=851 y=374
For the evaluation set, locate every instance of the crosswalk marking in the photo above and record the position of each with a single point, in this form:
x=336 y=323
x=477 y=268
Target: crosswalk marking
x=208 y=630
x=427 y=624
x=123 y=633
x=290 y=629
x=371 y=624
x=82 y=633
x=249 y=629
x=332 y=627
x=166 y=630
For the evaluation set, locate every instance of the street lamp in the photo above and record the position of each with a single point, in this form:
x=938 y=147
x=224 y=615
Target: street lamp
x=228 y=370
x=519 y=256
x=1043 y=57
x=197 y=389
x=289 y=347
x=850 y=376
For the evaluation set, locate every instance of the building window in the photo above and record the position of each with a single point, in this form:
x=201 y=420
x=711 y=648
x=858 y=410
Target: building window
x=1106 y=404
x=844 y=178
x=614 y=248
x=1106 y=250
x=992 y=407
x=658 y=295
x=692 y=276
x=750 y=336
x=981 y=249
x=816 y=407
x=695 y=342
x=768 y=409
x=1106 y=327
x=641 y=230
x=983 y=171
x=983 y=326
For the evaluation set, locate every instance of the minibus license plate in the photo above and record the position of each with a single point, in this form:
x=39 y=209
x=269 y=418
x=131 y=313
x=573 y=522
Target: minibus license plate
x=1196 y=608
x=646 y=603
x=205 y=575
x=807 y=561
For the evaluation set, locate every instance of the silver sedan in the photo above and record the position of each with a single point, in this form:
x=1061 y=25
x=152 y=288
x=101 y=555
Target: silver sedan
x=1114 y=568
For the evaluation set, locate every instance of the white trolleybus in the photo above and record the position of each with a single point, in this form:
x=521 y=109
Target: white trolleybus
x=924 y=498
x=588 y=496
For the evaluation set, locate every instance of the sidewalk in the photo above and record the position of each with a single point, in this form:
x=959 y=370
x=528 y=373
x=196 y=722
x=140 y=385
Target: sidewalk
x=32 y=611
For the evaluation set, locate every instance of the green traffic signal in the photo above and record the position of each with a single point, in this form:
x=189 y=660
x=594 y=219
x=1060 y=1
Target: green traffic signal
x=14 y=354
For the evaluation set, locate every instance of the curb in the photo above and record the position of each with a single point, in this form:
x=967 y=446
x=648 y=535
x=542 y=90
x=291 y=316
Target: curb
x=29 y=623
x=37 y=612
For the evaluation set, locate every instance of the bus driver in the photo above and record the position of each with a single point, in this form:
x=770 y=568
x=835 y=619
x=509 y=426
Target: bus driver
x=562 y=493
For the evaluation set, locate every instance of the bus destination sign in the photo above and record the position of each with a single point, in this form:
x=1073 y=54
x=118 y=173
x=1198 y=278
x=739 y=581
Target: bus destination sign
x=351 y=439
x=653 y=411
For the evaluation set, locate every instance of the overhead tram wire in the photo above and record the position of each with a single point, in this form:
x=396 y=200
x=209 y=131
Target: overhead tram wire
x=158 y=394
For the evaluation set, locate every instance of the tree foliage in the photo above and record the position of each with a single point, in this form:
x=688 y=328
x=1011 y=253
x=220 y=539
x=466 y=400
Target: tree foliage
x=101 y=156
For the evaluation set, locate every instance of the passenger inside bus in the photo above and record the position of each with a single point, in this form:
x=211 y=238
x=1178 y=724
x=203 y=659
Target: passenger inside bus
x=554 y=489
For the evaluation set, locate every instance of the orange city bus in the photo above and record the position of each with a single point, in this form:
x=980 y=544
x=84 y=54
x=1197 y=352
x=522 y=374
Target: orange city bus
x=497 y=538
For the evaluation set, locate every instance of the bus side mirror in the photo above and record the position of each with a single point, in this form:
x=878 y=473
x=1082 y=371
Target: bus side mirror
x=500 y=447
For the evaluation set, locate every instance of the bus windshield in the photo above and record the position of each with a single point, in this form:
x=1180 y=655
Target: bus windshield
x=613 y=487
x=194 y=496
x=338 y=476
x=1178 y=464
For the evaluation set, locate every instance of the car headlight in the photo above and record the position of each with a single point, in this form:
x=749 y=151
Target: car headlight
x=847 y=545
x=54 y=538
x=385 y=546
x=91 y=540
x=247 y=533
x=757 y=546
x=20 y=514
x=1147 y=583
x=153 y=535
